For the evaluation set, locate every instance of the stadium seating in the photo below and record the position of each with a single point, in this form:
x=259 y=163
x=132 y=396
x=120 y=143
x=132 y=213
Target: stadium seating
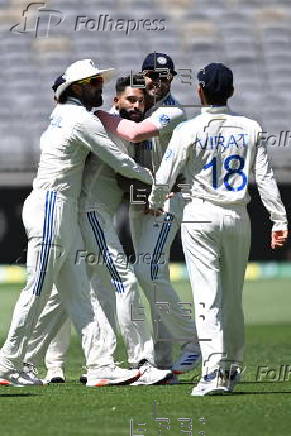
x=253 y=40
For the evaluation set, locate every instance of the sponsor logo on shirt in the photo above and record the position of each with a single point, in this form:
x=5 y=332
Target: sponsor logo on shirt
x=56 y=122
x=164 y=120
x=169 y=153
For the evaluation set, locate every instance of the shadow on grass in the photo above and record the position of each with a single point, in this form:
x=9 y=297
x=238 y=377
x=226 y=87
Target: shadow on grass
x=15 y=395
x=260 y=393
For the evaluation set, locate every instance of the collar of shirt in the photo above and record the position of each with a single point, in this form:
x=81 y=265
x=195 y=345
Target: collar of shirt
x=215 y=109
x=74 y=100
x=114 y=111
x=162 y=102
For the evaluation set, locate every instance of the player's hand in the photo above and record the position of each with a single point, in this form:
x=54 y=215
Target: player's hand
x=153 y=212
x=138 y=187
x=279 y=237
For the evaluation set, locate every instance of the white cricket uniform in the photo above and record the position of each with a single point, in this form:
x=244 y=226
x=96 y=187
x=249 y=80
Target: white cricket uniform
x=112 y=278
x=50 y=216
x=153 y=237
x=59 y=346
x=217 y=151
x=98 y=209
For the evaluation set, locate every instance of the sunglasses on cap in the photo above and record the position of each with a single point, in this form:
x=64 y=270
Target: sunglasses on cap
x=96 y=80
x=162 y=75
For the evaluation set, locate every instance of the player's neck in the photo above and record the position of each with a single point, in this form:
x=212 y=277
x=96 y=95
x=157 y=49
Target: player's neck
x=152 y=101
x=148 y=103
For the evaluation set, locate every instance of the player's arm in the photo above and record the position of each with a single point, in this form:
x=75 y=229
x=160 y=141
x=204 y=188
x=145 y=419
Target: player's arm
x=162 y=118
x=173 y=161
x=92 y=135
x=270 y=194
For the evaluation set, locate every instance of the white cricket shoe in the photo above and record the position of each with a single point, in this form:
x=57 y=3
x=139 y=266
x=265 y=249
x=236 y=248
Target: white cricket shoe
x=55 y=375
x=30 y=372
x=187 y=361
x=29 y=379
x=111 y=375
x=152 y=376
x=83 y=378
x=21 y=379
x=211 y=384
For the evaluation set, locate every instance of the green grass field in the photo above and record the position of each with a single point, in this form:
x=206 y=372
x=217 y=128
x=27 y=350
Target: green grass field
x=258 y=407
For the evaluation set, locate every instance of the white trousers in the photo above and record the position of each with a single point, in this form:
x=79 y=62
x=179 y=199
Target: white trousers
x=54 y=319
x=152 y=240
x=216 y=242
x=113 y=284
x=54 y=236
x=58 y=348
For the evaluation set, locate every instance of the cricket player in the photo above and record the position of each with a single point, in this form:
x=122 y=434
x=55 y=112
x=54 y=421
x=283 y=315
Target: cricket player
x=50 y=216
x=152 y=235
x=217 y=151
x=111 y=277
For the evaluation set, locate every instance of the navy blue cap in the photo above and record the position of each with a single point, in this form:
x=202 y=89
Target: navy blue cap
x=158 y=60
x=59 y=80
x=216 y=79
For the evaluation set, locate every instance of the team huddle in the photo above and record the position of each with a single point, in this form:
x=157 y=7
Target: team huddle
x=191 y=174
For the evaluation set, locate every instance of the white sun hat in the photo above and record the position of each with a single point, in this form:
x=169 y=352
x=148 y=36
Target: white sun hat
x=81 y=70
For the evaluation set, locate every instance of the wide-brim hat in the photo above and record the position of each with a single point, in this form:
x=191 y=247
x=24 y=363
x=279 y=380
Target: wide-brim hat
x=82 y=70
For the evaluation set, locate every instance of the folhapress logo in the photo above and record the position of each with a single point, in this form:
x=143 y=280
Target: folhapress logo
x=39 y=20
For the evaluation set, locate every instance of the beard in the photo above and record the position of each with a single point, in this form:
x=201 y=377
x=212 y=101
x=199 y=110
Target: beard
x=154 y=93
x=90 y=99
x=157 y=93
x=135 y=116
x=97 y=100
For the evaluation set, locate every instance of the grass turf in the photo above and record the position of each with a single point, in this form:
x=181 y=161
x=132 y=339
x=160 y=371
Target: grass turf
x=259 y=406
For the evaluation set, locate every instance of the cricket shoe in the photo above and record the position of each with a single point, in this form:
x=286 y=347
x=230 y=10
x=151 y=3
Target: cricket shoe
x=13 y=378
x=83 y=379
x=30 y=372
x=187 y=361
x=211 y=384
x=5 y=377
x=110 y=375
x=232 y=378
x=151 y=375
x=55 y=375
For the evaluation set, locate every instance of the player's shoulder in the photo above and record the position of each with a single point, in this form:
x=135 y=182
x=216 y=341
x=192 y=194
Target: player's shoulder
x=67 y=116
x=186 y=130
x=71 y=112
x=189 y=125
x=246 y=121
x=184 y=125
x=87 y=120
x=165 y=114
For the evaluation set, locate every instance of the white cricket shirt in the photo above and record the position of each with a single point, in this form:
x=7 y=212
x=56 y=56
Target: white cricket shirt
x=166 y=114
x=73 y=133
x=217 y=151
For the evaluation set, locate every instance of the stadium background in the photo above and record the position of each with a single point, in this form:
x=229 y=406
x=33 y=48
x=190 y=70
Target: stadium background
x=253 y=37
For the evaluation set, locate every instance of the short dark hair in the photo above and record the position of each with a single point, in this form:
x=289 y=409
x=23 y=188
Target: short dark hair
x=137 y=80
x=68 y=92
x=217 y=99
x=216 y=79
